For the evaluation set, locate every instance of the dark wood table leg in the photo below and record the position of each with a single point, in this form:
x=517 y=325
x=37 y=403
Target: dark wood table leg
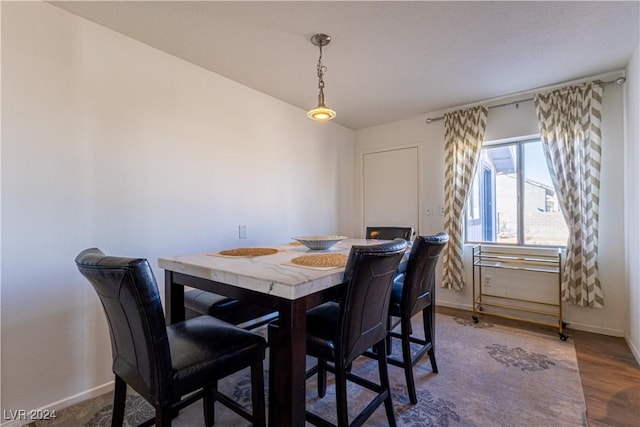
x=173 y=299
x=287 y=374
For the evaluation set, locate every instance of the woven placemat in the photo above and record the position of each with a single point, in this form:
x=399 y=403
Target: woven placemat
x=321 y=260
x=248 y=252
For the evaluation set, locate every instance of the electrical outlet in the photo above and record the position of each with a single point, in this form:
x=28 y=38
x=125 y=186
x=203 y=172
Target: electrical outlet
x=242 y=232
x=487 y=281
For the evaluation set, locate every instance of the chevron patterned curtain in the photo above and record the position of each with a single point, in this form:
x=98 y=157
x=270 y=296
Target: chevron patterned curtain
x=569 y=122
x=463 y=136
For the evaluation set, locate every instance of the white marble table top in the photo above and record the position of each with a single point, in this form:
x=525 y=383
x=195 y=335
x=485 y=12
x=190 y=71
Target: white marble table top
x=269 y=274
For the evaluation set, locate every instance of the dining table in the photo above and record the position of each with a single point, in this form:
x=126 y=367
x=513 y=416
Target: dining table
x=272 y=281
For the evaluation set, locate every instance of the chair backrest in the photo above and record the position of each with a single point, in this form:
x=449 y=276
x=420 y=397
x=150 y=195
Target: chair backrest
x=389 y=233
x=419 y=280
x=364 y=307
x=129 y=294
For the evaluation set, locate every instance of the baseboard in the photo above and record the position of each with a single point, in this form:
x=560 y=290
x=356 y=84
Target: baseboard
x=594 y=329
x=634 y=349
x=60 y=404
x=570 y=325
x=466 y=307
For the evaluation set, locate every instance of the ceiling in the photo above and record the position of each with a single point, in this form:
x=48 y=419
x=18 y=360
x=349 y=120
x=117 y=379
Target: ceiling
x=387 y=60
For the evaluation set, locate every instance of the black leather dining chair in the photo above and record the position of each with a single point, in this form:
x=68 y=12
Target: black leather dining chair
x=164 y=363
x=389 y=233
x=412 y=294
x=340 y=331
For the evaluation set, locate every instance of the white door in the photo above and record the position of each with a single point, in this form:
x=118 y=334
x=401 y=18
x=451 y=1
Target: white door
x=391 y=190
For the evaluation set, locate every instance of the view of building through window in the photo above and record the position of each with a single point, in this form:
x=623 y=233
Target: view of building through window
x=512 y=200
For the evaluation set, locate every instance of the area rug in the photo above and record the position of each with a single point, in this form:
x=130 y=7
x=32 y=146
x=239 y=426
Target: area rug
x=489 y=375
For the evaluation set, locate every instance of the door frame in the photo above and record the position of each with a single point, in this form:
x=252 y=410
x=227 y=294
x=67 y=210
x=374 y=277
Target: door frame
x=420 y=182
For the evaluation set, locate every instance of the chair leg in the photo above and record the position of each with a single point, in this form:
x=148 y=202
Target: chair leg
x=428 y=320
x=119 y=402
x=273 y=348
x=389 y=338
x=406 y=358
x=209 y=401
x=322 y=378
x=341 y=396
x=164 y=415
x=384 y=382
x=257 y=395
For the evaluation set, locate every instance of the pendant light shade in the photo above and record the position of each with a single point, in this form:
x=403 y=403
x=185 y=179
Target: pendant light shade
x=321 y=112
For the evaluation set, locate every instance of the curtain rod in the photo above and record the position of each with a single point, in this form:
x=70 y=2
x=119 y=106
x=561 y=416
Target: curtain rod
x=618 y=81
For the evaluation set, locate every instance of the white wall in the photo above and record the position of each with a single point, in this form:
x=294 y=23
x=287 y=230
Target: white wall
x=107 y=142
x=632 y=200
x=509 y=122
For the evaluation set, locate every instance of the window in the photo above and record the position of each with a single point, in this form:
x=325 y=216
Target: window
x=512 y=199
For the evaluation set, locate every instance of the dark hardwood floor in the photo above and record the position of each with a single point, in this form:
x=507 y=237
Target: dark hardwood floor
x=609 y=373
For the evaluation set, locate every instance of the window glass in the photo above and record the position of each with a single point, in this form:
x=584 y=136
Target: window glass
x=542 y=217
x=496 y=217
x=512 y=200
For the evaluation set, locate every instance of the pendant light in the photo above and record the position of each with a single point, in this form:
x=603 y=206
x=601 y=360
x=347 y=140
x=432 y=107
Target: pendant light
x=321 y=113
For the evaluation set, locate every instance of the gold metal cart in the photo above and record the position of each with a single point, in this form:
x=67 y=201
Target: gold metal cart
x=525 y=309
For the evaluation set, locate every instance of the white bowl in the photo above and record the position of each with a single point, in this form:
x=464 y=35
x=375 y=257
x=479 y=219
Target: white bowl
x=319 y=242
